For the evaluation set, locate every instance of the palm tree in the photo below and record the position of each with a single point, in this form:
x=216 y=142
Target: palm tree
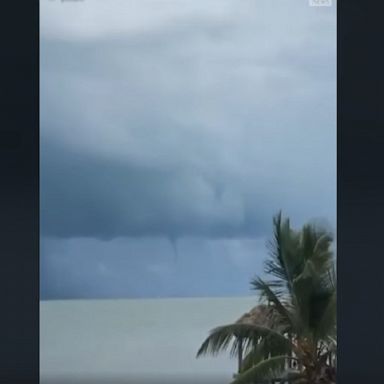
x=295 y=340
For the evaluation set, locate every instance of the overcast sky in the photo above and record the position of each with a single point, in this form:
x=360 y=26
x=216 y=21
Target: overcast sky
x=171 y=132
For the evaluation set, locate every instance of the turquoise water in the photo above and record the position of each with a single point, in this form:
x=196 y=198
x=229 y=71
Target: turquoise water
x=134 y=341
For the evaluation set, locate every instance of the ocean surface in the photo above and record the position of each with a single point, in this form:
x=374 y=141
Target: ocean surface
x=134 y=341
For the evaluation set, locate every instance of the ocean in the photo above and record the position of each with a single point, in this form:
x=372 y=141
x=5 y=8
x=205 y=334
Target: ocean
x=134 y=341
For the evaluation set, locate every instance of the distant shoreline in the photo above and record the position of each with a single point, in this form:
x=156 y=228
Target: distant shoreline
x=173 y=298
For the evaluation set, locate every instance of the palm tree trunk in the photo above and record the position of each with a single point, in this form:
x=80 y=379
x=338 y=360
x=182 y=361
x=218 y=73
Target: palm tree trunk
x=290 y=352
x=240 y=354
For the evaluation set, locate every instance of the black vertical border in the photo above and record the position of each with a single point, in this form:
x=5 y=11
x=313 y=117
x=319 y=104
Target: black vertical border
x=19 y=200
x=360 y=191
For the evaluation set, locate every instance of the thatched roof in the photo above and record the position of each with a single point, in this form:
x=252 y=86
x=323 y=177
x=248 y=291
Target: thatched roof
x=262 y=314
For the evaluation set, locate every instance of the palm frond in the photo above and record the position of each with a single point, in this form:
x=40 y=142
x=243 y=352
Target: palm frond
x=326 y=323
x=265 y=348
x=301 y=315
x=221 y=338
x=281 y=306
x=264 y=371
x=283 y=256
x=257 y=354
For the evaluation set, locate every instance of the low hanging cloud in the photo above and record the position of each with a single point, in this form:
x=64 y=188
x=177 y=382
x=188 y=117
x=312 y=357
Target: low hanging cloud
x=144 y=267
x=203 y=125
x=171 y=132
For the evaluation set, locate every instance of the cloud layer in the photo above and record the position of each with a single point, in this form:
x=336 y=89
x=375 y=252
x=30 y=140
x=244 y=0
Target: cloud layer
x=185 y=119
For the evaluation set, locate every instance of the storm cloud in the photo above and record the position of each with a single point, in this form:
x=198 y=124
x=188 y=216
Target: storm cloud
x=180 y=120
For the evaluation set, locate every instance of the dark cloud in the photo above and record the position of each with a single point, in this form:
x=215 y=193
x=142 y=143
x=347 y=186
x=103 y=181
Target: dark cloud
x=197 y=121
x=130 y=151
x=88 y=196
x=146 y=267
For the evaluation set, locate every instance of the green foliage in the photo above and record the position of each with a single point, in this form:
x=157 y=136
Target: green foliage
x=301 y=295
x=263 y=371
x=221 y=338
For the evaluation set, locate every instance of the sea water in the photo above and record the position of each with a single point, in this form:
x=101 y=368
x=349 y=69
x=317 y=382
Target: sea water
x=134 y=341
